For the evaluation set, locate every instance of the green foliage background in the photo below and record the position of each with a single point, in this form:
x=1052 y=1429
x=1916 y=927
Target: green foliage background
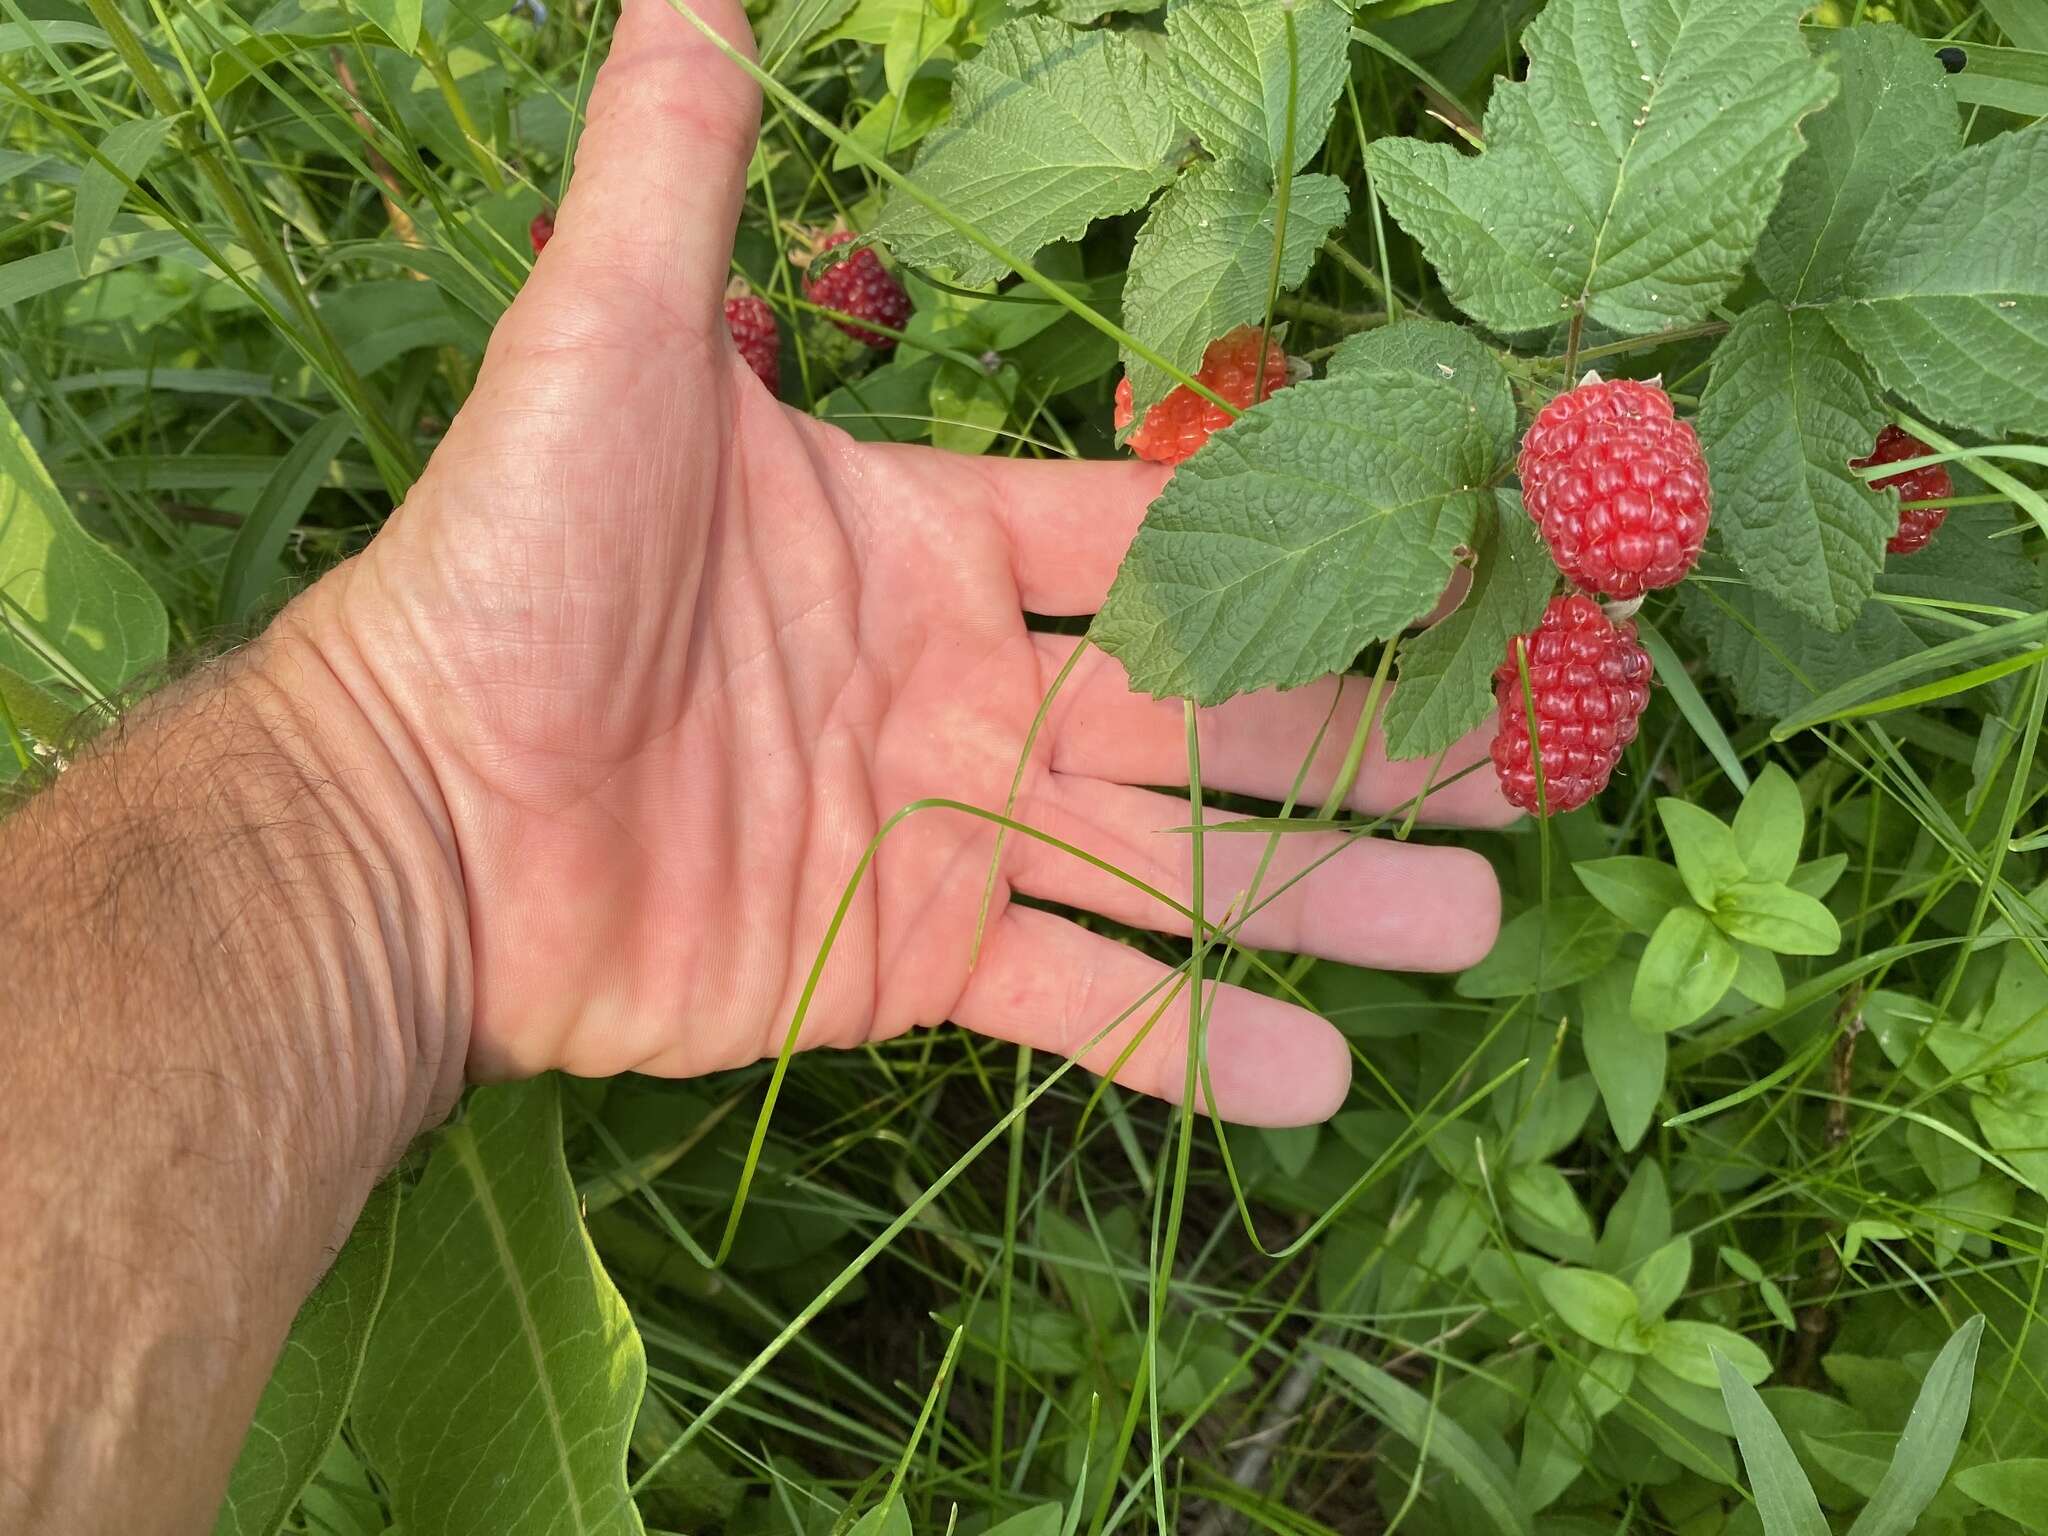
x=1675 y=1214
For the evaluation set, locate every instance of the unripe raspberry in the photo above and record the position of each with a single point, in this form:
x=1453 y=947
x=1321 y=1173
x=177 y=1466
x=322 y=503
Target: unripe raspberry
x=1589 y=682
x=1618 y=486
x=541 y=230
x=1930 y=482
x=754 y=332
x=858 y=287
x=1179 y=424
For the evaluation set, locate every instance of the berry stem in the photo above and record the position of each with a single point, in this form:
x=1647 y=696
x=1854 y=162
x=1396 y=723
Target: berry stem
x=1571 y=356
x=1641 y=343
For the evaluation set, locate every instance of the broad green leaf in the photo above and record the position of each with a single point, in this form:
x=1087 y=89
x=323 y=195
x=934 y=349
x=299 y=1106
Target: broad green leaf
x=1039 y=1520
x=30 y=277
x=1230 y=79
x=1437 y=349
x=1784 y=1498
x=1203 y=261
x=895 y=123
x=1816 y=877
x=1660 y=1279
x=398 y=20
x=2016 y=1489
x=103 y=184
x=1446 y=684
x=2024 y=22
x=1640 y=1222
x=1635 y=889
x=1687 y=1349
x=501 y=1380
x=75 y=619
x=1052 y=129
x=314 y=1378
x=1895 y=108
x=1630 y=173
x=887 y=1519
x=1770 y=825
x=1628 y=1063
x=33 y=710
x=1321 y=520
x=1946 y=296
x=252 y=569
x=1441 y=1439
x=1557 y=1437
x=890 y=404
x=1777 y=918
x=1696 y=1404
x=969 y=406
x=1685 y=970
x=1928 y=1444
x=1545 y=1210
x=1758 y=975
x=1704 y=848
x=1553 y=944
x=917 y=37
x=1597 y=1307
x=1788 y=407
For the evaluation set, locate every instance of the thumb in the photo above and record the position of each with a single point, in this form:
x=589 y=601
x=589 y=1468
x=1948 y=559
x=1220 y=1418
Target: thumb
x=660 y=171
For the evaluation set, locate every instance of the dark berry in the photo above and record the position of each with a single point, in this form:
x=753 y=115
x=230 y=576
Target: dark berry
x=752 y=324
x=1182 y=422
x=859 y=288
x=1952 y=59
x=541 y=230
x=1589 y=681
x=1930 y=483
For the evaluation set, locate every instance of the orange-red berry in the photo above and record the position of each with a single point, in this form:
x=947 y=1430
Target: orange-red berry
x=1179 y=424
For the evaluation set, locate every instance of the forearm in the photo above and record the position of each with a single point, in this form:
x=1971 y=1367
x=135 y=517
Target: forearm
x=235 y=977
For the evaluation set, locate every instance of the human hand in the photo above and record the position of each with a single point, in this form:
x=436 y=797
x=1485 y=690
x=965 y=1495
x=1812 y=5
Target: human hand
x=669 y=653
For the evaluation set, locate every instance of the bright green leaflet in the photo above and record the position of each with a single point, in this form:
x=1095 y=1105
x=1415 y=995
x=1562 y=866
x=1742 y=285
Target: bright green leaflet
x=1627 y=1063
x=1928 y=1445
x=1784 y=1498
x=502 y=1378
x=1230 y=79
x=128 y=147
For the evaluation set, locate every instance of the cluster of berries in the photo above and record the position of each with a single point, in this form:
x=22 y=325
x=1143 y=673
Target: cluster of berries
x=1618 y=487
x=858 y=289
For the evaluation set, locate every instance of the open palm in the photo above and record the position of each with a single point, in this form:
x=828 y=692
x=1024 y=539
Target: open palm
x=673 y=652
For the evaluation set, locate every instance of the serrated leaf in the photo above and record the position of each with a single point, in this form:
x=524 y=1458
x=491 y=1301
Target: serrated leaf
x=1631 y=172
x=1230 y=78
x=1928 y=1444
x=1784 y=1498
x=1446 y=682
x=1895 y=107
x=314 y=1378
x=1685 y=970
x=1627 y=1063
x=1440 y=1438
x=1946 y=295
x=75 y=619
x=1788 y=407
x=1437 y=349
x=1320 y=521
x=103 y=184
x=1052 y=129
x=1635 y=889
x=1202 y=264
x=501 y=1380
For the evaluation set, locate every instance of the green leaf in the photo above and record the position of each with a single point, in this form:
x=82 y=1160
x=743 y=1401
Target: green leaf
x=74 y=617
x=969 y=406
x=1685 y=971
x=1627 y=1063
x=1788 y=407
x=1660 y=1279
x=1946 y=296
x=1777 y=918
x=1554 y=944
x=1441 y=1439
x=1895 y=108
x=1770 y=825
x=1631 y=172
x=1321 y=520
x=1784 y=1498
x=1557 y=1437
x=2016 y=1489
x=1637 y=890
x=1446 y=683
x=1436 y=349
x=501 y=1380
x=1203 y=261
x=103 y=184
x=1758 y=975
x=1230 y=79
x=314 y=1378
x=252 y=570
x=18 y=35
x=399 y=20
x=1052 y=129
x=1928 y=1445
x=1687 y=1349
x=1039 y=1520
x=1597 y=1307
x=895 y=123
x=1816 y=877
x=1704 y=847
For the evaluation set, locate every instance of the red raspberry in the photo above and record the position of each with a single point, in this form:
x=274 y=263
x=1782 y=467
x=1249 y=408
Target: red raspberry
x=541 y=230
x=1589 y=680
x=861 y=287
x=1618 y=486
x=1178 y=425
x=1930 y=482
x=752 y=324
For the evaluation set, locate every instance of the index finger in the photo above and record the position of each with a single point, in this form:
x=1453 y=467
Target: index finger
x=1068 y=524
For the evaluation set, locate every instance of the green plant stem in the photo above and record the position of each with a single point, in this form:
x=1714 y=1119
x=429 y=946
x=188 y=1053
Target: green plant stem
x=1283 y=187
x=436 y=61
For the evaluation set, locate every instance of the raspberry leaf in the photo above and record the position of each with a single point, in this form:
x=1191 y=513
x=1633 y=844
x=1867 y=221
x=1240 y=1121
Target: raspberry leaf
x=1437 y=349
x=1230 y=78
x=1052 y=129
x=1632 y=172
x=1446 y=683
x=1322 y=520
x=1202 y=263
x=1947 y=294
x=1788 y=407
